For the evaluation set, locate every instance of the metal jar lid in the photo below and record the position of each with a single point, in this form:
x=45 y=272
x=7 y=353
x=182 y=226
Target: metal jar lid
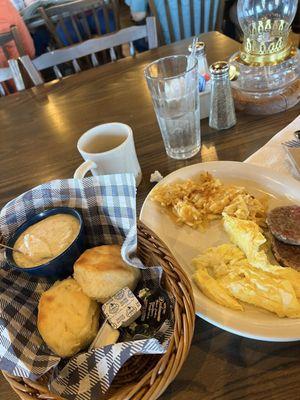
x=219 y=68
x=200 y=47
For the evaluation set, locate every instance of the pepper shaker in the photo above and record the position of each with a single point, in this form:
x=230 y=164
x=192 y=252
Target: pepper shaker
x=222 y=113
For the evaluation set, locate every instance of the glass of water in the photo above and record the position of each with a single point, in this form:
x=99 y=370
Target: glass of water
x=173 y=83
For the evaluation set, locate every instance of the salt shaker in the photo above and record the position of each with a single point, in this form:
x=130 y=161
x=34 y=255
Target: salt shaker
x=202 y=65
x=222 y=113
x=201 y=57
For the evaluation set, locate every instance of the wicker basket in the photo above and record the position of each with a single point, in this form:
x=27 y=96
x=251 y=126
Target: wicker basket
x=143 y=377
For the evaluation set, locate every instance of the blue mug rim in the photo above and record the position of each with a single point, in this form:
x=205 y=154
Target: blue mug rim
x=33 y=220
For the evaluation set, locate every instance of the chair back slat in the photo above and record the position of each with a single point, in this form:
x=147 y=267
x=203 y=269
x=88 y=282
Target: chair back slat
x=75 y=27
x=18 y=41
x=63 y=26
x=57 y=72
x=181 y=26
x=116 y=13
x=202 y=16
x=192 y=17
x=94 y=60
x=220 y=14
x=76 y=66
x=16 y=74
x=211 y=16
x=85 y=25
x=151 y=32
x=158 y=23
x=106 y=18
x=169 y=20
x=96 y=20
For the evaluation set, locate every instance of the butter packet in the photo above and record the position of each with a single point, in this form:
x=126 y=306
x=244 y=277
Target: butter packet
x=122 y=309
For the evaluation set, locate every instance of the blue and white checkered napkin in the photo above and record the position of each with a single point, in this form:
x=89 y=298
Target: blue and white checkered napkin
x=107 y=204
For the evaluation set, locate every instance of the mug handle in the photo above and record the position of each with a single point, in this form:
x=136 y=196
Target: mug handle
x=82 y=170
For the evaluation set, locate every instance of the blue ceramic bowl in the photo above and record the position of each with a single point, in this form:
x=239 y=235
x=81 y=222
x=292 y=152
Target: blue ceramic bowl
x=61 y=266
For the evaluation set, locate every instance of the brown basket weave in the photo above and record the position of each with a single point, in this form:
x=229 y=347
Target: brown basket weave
x=143 y=377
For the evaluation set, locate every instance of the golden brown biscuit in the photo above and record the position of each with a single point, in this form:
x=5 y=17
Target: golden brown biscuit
x=101 y=272
x=68 y=320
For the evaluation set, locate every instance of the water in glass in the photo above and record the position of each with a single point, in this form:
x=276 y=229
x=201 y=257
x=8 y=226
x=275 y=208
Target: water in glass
x=174 y=89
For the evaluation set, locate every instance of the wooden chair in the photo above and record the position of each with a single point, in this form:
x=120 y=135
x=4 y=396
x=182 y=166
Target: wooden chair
x=74 y=21
x=178 y=19
x=77 y=13
x=12 y=71
x=91 y=46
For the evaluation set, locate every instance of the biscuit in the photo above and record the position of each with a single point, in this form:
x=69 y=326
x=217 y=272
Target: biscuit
x=68 y=320
x=101 y=272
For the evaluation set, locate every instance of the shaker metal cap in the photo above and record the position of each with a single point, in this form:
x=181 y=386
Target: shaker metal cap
x=219 y=68
x=200 y=47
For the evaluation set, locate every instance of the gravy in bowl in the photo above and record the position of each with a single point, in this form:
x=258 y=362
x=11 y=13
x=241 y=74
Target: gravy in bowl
x=45 y=240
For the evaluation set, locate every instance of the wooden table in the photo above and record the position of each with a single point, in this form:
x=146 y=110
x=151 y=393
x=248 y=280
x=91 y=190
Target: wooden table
x=39 y=131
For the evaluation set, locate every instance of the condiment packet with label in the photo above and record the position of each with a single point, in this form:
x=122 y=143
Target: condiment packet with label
x=156 y=318
x=122 y=309
x=107 y=205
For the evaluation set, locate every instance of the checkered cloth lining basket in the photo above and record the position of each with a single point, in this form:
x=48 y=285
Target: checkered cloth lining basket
x=143 y=377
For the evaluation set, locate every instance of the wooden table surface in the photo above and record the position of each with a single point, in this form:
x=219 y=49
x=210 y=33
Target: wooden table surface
x=39 y=132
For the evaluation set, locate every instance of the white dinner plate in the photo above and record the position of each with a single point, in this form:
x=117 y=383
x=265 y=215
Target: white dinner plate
x=185 y=243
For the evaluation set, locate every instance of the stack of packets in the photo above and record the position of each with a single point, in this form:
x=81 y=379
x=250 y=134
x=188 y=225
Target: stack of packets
x=107 y=205
x=204 y=82
x=277 y=155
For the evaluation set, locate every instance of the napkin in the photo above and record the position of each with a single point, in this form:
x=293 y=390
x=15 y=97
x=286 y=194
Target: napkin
x=274 y=155
x=107 y=204
x=294 y=156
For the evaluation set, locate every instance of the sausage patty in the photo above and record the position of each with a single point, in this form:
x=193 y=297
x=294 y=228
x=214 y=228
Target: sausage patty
x=287 y=255
x=284 y=224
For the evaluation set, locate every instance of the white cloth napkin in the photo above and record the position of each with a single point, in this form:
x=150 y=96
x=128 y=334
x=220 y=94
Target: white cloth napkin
x=273 y=154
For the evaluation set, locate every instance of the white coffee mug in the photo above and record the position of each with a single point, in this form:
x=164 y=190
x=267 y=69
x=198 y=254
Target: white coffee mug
x=108 y=149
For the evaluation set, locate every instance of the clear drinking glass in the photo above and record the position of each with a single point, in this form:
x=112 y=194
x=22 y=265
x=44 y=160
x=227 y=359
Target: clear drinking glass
x=173 y=83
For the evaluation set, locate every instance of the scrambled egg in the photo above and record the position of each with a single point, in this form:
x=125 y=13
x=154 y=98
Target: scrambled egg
x=236 y=272
x=213 y=290
x=248 y=237
x=262 y=290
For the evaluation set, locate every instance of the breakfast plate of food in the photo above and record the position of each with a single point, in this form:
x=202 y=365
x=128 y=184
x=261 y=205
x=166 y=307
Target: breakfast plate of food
x=235 y=229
